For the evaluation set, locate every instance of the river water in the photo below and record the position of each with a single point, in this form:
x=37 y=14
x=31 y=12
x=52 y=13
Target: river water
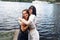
x=47 y=18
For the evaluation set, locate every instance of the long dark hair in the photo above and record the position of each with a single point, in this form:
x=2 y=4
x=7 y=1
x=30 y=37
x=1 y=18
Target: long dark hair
x=27 y=13
x=33 y=9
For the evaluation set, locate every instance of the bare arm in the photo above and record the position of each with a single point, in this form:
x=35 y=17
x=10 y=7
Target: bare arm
x=31 y=18
x=24 y=28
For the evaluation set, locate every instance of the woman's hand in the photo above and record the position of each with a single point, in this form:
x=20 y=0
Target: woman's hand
x=22 y=24
x=19 y=18
x=23 y=27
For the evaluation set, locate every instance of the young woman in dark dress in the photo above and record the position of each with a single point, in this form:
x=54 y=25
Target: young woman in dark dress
x=23 y=34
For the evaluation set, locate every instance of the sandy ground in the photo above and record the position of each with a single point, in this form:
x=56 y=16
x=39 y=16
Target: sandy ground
x=16 y=34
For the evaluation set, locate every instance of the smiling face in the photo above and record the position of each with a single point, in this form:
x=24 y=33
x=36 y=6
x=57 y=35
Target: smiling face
x=25 y=15
x=30 y=11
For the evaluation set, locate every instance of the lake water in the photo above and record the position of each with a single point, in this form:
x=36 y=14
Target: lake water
x=48 y=21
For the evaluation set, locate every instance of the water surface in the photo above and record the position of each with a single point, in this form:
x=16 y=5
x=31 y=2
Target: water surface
x=47 y=18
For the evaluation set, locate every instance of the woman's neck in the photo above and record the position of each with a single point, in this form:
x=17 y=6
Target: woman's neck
x=25 y=18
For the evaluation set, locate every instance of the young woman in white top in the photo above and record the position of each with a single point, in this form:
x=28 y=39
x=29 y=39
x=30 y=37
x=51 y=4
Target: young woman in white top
x=31 y=23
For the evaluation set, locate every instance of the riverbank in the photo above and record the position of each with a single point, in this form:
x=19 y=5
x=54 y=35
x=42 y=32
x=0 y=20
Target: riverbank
x=6 y=35
x=16 y=34
x=12 y=35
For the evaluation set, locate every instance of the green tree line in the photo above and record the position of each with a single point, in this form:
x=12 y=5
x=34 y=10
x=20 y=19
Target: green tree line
x=31 y=0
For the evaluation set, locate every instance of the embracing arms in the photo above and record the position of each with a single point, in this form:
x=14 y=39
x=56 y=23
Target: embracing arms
x=23 y=27
x=31 y=18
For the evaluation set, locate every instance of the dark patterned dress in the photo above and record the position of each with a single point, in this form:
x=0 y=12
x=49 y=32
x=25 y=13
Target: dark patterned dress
x=23 y=35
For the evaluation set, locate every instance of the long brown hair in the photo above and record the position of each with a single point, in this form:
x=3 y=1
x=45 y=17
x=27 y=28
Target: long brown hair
x=27 y=13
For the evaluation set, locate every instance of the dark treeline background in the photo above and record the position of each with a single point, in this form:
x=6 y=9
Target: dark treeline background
x=31 y=0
